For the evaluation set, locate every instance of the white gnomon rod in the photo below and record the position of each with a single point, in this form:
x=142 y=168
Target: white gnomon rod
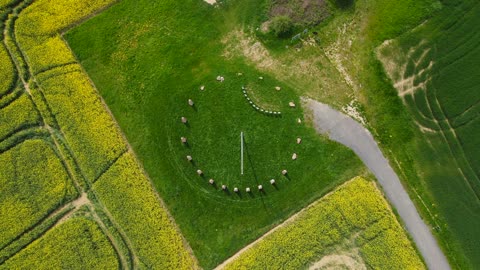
x=241 y=152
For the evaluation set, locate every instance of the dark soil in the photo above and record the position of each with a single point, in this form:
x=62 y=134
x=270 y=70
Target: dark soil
x=302 y=12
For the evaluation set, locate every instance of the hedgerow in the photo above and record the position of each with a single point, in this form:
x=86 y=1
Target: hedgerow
x=33 y=183
x=17 y=115
x=7 y=72
x=76 y=244
x=130 y=198
x=357 y=207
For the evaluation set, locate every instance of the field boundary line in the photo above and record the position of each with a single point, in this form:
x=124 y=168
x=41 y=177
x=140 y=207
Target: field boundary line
x=55 y=133
x=135 y=157
x=289 y=220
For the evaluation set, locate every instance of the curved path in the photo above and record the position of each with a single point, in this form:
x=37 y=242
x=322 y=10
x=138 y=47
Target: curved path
x=352 y=134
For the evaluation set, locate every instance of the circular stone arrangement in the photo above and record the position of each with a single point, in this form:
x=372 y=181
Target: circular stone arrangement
x=236 y=189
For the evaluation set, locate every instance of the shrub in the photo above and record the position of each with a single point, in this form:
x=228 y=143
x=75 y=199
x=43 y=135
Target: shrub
x=281 y=26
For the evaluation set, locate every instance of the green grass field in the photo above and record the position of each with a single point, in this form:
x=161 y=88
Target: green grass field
x=57 y=139
x=441 y=57
x=137 y=69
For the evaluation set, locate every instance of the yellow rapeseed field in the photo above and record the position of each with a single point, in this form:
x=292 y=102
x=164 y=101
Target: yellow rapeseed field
x=356 y=211
x=16 y=115
x=32 y=185
x=130 y=198
x=71 y=108
x=76 y=244
x=7 y=75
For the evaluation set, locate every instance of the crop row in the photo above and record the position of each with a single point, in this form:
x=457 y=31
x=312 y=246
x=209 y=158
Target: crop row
x=87 y=127
x=71 y=245
x=131 y=200
x=49 y=17
x=68 y=101
x=79 y=112
x=355 y=208
x=34 y=183
x=7 y=72
x=16 y=116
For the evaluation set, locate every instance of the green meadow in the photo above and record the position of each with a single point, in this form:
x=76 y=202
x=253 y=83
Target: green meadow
x=441 y=58
x=147 y=59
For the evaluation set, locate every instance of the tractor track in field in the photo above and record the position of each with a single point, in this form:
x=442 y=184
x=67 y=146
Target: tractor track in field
x=69 y=163
x=137 y=161
x=286 y=222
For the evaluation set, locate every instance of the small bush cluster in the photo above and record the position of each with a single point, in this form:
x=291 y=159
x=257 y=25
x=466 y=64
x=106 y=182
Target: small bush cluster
x=286 y=15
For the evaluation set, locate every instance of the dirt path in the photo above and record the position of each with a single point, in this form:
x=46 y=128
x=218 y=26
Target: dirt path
x=337 y=261
x=350 y=133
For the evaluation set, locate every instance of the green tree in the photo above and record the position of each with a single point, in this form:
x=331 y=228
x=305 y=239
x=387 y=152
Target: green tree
x=281 y=26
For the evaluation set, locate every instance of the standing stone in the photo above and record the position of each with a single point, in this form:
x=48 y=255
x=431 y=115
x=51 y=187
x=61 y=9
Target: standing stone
x=284 y=172
x=294 y=156
x=190 y=102
x=189 y=158
x=184 y=120
x=272 y=181
x=211 y=181
x=299 y=140
x=199 y=172
x=183 y=139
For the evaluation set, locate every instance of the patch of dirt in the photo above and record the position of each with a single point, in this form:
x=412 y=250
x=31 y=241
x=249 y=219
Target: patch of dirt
x=307 y=70
x=211 y=2
x=337 y=55
x=352 y=110
x=238 y=43
x=340 y=261
x=302 y=12
x=405 y=69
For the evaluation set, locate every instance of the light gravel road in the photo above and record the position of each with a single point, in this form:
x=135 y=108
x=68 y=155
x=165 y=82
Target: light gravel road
x=343 y=129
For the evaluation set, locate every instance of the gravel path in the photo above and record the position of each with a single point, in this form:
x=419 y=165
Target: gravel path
x=350 y=133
